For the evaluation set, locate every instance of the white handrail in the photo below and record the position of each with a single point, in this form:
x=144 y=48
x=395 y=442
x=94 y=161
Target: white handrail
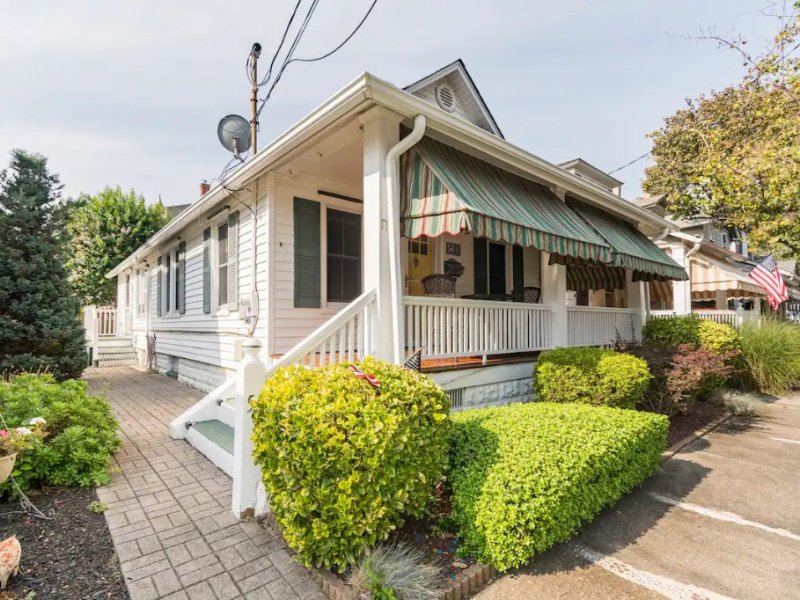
x=451 y=328
x=347 y=335
x=600 y=326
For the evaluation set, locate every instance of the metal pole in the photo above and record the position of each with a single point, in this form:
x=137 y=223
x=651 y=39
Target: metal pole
x=254 y=54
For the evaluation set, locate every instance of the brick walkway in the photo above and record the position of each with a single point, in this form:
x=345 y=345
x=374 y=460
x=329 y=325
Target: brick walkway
x=169 y=507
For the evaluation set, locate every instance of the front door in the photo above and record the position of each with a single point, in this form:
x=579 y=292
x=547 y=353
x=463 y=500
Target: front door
x=420 y=264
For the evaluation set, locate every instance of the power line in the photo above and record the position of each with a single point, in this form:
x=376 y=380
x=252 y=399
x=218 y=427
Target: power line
x=289 y=57
x=628 y=164
x=268 y=75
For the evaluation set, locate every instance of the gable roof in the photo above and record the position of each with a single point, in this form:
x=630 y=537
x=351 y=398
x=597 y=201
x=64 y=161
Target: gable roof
x=458 y=71
x=601 y=176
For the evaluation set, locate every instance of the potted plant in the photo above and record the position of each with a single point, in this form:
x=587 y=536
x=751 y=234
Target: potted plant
x=14 y=441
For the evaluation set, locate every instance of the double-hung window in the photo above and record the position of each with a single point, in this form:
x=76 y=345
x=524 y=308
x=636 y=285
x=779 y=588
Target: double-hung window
x=168 y=283
x=344 y=255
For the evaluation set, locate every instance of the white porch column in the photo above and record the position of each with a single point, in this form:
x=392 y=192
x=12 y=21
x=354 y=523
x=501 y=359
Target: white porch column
x=381 y=132
x=554 y=295
x=681 y=290
x=635 y=298
x=250 y=379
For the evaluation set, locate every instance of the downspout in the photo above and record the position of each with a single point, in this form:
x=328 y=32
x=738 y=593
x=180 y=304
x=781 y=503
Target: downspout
x=393 y=210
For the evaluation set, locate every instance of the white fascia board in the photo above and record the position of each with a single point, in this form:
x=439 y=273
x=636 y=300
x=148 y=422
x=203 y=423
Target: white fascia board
x=408 y=105
x=348 y=101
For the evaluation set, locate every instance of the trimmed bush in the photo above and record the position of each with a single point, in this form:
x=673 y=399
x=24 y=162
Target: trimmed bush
x=591 y=376
x=692 y=331
x=771 y=354
x=344 y=463
x=80 y=433
x=527 y=476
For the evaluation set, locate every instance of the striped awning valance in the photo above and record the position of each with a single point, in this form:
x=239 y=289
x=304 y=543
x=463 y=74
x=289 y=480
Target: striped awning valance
x=447 y=191
x=710 y=275
x=661 y=291
x=631 y=248
x=594 y=276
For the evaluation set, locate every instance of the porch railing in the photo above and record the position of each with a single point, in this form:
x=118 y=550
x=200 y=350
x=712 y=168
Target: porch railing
x=106 y=321
x=733 y=318
x=598 y=326
x=451 y=328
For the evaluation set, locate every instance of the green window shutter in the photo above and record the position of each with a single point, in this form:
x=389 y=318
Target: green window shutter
x=207 y=270
x=307 y=254
x=159 y=287
x=181 y=278
x=233 y=261
x=481 y=266
x=517 y=271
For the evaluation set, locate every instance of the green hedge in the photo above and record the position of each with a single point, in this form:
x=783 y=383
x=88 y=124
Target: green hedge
x=691 y=330
x=345 y=463
x=80 y=431
x=527 y=476
x=591 y=376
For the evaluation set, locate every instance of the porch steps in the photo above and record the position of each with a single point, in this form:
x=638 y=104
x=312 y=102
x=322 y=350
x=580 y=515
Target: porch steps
x=214 y=440
x=115 y=352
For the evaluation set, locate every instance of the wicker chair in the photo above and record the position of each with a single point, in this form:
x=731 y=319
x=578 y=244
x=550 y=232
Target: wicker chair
x=531 y=295
x=439 y=285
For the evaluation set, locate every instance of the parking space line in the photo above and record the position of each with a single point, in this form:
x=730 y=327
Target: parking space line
x=721 y=515
x=674 y=590
x=785 y=440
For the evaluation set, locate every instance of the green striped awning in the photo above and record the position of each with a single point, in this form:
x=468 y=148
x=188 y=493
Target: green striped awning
x=594 y=276
x=631 y=248
x=447 y=191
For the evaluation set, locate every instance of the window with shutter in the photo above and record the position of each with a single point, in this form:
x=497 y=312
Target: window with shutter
x=180 y=279
x=518 y=272
x=481 y=266
x=159 y=292
x=307 y=258
x=222 y=265
x=344 y=255
x=207 y=270
x=233 y=262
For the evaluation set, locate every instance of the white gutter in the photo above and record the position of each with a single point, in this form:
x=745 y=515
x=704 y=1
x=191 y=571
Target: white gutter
x=393 y=213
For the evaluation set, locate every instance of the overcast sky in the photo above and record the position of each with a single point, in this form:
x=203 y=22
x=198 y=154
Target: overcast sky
x=130 y=93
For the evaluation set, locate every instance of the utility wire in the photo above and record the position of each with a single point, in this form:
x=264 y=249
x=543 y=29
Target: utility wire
x=268 y=74
x=289 y=53
x=628 y=164
x=290 y=59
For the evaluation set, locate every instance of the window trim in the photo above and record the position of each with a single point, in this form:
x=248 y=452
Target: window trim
x=169 y=290
x=141 y=292
x=217 y=308
x=325 y=257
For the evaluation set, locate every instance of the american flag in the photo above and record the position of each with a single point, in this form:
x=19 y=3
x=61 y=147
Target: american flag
x=768 y=276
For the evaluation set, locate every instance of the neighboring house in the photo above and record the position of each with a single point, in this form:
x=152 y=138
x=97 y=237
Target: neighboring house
x=339 y=223
x=718 y=262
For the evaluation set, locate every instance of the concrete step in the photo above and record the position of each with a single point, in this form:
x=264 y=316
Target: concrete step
x=214 y=440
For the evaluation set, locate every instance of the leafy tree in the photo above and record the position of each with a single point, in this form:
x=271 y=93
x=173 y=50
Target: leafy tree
x=40 y=326
x=734 y=155
x=105 y=229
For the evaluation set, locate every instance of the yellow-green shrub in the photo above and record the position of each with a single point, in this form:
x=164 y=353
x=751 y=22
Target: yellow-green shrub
x=527 y=476
x=591 y=376
x=344 y=463
x=717 y=337
x=693 y=331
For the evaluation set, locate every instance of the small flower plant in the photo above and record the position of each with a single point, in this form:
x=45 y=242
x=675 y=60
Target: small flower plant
x=19 y=439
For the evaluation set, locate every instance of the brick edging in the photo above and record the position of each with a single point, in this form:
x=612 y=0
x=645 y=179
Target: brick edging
x=470 y=581
x=696 y=435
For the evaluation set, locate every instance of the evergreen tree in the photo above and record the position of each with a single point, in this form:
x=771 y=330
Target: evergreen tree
x=104 y=230
x=40 y=325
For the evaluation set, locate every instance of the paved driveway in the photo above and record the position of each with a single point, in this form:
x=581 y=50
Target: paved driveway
x=721 y=520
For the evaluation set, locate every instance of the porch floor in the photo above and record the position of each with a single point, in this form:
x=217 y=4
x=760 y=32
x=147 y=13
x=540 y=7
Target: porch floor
x=437 y=365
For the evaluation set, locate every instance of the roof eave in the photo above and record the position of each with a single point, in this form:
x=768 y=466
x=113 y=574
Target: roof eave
x=347 y=101
x=408 y=105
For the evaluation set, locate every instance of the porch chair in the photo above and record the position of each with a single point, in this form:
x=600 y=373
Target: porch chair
x=439 y=285
x=531 y=295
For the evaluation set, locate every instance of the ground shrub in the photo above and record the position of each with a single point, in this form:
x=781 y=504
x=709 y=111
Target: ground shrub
x=771 y=354
x=79 y=431
x=681 y=376
x=343 y=462
x=691 y=331
x=526 y=476
x=591 y=376
x=396 y=572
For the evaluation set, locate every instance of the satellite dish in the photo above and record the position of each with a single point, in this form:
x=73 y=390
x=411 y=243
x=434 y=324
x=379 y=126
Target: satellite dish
x=233 y=132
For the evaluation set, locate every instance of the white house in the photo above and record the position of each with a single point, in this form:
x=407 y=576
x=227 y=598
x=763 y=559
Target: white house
x=320 y=247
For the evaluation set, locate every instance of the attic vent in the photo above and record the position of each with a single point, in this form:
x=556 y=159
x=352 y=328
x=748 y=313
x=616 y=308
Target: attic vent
x=446 y=98
x=456 y=397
